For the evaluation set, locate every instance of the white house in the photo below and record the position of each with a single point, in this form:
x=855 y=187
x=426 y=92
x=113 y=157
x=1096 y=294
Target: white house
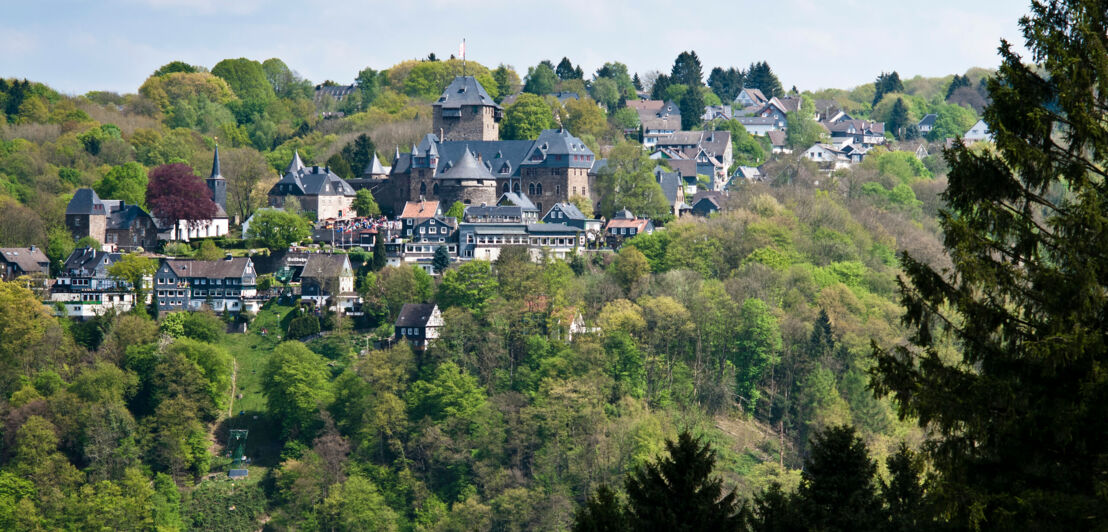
x=979 y=131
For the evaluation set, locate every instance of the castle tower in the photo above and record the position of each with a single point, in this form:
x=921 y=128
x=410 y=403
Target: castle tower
x=217 y=184
x=465 y=111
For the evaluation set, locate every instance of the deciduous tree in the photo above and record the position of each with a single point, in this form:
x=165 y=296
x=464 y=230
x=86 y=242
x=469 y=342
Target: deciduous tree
x=175 y=195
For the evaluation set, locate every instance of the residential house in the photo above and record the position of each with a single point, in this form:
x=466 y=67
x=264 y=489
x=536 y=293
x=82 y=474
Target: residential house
x=568 y=214
x=328 y=276
x=415 y=212
x=624 y=225
x=827 y=156
x=927 y=123
x=779 y=108
x=317 y=189
x=226 y=285
x=778 y=142
x=750 y=97
x=658 y=119
x=749 y=174
x=717 y=112
x=17 y=262
x=418 y=324
x=711 y=150
x=829 y=111
x=707 y=202
x=673 y=187
x=979 y=131
x=112 y=223
x=333 y=92
x=484 y=241
x=758 y=125
x=518 y=199
x=419 y=247
x=916 y=147
x=859 y=132
x=86 y=289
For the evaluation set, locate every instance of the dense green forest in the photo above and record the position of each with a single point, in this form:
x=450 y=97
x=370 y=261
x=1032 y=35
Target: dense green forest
x=903 y=345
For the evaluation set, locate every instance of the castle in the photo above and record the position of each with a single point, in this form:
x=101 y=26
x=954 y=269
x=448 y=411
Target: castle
x=465 y=161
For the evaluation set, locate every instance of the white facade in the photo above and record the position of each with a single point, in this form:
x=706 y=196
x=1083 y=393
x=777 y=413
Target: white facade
x=202 y=229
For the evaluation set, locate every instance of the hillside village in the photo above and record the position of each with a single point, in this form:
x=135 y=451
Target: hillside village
x=447 y=296
x=527 y=193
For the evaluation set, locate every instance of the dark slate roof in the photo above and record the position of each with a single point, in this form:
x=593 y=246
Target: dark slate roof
x=300 y=180
x=928 y=120
x=88 y=260
x=466 y=167
x=713 y=142
x=85 y=201
x=28 y=259
x=464 y=91
x=502 y=158
x=492 y=211
x=324 y=265
x=570 y=210
x=518 y=199
x=551 y=228
x=756 y=120
x=670 y=182
x=415 y=314
x=215 y=165
x=598 y=165
x=374 y=167
x=209 y=269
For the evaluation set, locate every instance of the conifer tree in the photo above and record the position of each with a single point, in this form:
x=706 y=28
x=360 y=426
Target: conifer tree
x=1017 y=415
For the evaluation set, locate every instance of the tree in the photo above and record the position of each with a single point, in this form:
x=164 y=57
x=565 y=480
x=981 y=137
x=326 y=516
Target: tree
x=541 y=79
x=687 y=70
x=629 y=266
x=605 y=91
x=692 y=108
x=441 y=260
x=528 y=116
x=296 y=386
x=602 y=513
x=285 y=82
x=507 y=81
x=903 y=493
x=760 y=76
x=380 y=256
x=678 y=492
x=365 y=205
x=726 y=83
x=247 y=78
x=456 y=211
x=132 y=268
x=126 y=182
x=898 y=119
x=208 y=251
x=803 y=130
x=1014 y=412
x=837 y=489
x=248 y=176
x=59 y=245
x=370 y=83
x=618 y=73
x=357 y=504
x=584 y=117
x=885 y=84
x=175 y=195
x=957 y=83
x=175 y=66
x=628 y=183
x=469 y=286
x=565 y=70
x=277 y=229
x=758 y=346
x=359 y=153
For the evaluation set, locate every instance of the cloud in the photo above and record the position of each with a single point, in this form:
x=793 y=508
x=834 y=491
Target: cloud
x=16 y=43
x=203 y=7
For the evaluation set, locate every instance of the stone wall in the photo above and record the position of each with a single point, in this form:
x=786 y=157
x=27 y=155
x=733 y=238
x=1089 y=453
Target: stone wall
x=476 y=123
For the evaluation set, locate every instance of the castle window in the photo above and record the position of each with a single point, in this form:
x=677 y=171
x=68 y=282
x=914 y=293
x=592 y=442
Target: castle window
x=557 y=189
x=574 y=191
x=538 y=189
x=516 y=187
x=531 y=189
x=435 y=189
x=423 y=189
x=507 y=188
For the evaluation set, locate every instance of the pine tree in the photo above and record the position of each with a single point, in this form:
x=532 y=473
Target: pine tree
x=903 y=493
x=637 y=82
x=687 y=70
x=678 y=492
x=379 y=258
x=601 y=513
x=1017 y=415
x=885 y=84
x=957 y=83
x=837 y=489
x=898 y=118
x=692 y=108
x=760 y=76
x=441 y=260
x=565 y=70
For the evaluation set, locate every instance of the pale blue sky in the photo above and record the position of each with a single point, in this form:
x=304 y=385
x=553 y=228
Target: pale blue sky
x=77 y=46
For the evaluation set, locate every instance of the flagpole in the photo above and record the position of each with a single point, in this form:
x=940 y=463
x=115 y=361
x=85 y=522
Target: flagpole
x=463 y=57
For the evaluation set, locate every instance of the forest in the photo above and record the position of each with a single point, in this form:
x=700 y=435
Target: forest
x=907 y=344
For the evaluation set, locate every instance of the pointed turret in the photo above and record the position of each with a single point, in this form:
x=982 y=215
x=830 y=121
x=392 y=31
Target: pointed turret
x=215 y=165
x=375 y=168
x=296 y=165
x=217 y=184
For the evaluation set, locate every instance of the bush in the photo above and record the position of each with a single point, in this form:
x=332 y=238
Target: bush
x=303 y=326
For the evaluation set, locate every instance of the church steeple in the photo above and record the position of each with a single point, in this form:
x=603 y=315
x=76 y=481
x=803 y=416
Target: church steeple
x=217 y=184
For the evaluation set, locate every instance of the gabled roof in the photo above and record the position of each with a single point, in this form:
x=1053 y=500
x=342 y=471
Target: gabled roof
x=518 y=199
x=652 y=106
x=300 y=180
x=28 y=259
x=670 y=182
x=210 y=269
x=420 y=209
x=325 y=265
x=713 y=142
x=88 y=260
x=295 y=164
x=928 y=120
x=464 y=90
x=639 y=224
x=755 y=95
x=776 y=137
x=569 y=210
x=503 y=158
x=415 y=314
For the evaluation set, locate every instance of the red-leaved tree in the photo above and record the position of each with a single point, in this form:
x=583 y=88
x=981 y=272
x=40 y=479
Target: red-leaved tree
x=176 y=194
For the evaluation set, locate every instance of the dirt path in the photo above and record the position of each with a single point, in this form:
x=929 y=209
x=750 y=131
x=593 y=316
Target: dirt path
x=234 y=376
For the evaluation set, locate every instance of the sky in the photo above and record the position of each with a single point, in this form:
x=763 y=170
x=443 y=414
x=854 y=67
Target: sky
x=77 y=46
